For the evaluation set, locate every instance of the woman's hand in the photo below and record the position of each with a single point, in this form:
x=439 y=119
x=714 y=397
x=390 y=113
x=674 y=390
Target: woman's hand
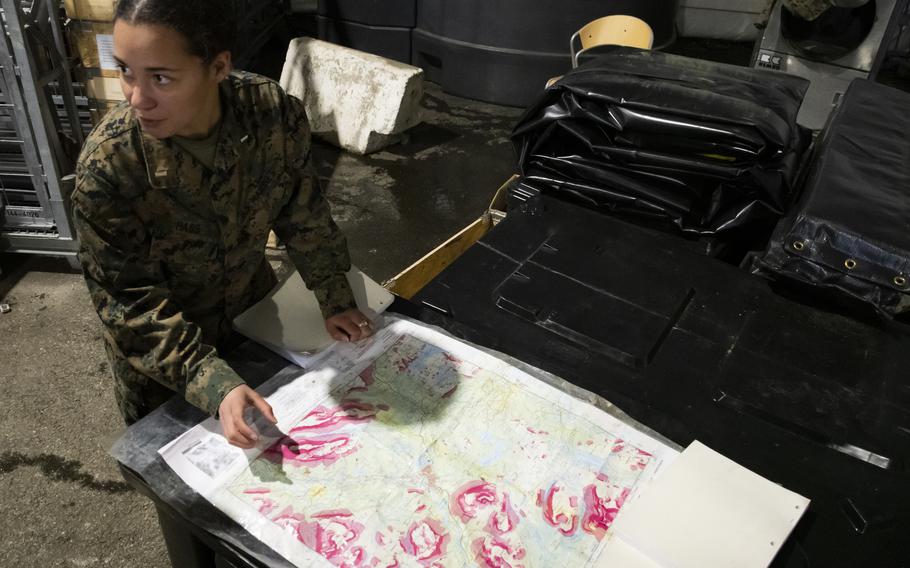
x=350 y=325
x=233 y=405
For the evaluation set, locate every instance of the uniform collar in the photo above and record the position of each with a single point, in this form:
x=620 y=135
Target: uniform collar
x=160 y=160
x=163 y=156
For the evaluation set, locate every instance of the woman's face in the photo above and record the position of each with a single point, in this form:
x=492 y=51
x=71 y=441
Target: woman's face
x=171 y=90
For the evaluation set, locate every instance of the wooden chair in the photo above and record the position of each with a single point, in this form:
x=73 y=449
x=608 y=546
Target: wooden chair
x=612 y=30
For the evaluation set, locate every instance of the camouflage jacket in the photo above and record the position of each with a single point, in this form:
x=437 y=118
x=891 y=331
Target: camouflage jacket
x=172 y=251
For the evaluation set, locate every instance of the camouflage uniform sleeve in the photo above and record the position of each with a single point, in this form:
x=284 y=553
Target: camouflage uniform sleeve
x=132 y=299
x=316 y=245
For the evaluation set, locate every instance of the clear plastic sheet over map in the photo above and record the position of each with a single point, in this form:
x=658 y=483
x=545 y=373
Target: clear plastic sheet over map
x=416 y=449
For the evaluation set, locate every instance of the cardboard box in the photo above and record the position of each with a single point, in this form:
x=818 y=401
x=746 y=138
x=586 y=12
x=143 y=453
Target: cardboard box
x=95 y=10
x=97 y=109
x=410 y=280
x=93 y=43
x=104 y=88
x=103 y=94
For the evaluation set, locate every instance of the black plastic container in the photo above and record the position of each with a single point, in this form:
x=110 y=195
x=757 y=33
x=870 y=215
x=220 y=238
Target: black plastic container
x=391 y=42
x=534 y=26
x=378 y=27
x=388 y=13
x=495 y=75
x=504 y=51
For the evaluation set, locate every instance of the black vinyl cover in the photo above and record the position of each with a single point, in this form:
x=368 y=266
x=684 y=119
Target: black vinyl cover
x=851 y=230
x=707 y=146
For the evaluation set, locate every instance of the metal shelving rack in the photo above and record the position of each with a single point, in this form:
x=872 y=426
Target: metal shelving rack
x=41 y=130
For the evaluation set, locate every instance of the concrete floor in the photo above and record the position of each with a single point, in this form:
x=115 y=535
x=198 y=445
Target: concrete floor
x=62 y=499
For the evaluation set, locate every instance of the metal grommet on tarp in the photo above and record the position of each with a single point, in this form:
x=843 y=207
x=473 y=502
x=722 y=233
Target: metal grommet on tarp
x=798 y=245
x=846 y=212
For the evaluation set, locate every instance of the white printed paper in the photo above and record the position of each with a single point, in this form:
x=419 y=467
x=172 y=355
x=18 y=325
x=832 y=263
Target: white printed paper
x=105 y=43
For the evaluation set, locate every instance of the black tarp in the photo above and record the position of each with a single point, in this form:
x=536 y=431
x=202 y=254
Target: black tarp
x=706 y=146
x=850 y=232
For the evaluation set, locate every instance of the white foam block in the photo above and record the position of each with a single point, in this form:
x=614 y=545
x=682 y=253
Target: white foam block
x=705 y=510
x=357 y=100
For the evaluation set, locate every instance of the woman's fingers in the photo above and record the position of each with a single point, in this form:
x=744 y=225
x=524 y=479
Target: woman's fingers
x=231 y=412
x=233 y=427
x=350 y=328
x=351 y=325
x=263 y=407
x=365 y=325
x=335 y=331
x=244 y=430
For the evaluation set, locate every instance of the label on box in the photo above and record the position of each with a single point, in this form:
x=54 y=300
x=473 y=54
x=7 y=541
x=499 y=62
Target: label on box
x=93 y=10
x=106 y=52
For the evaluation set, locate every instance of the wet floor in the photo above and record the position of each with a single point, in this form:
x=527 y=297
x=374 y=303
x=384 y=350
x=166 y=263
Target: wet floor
x=397 y=204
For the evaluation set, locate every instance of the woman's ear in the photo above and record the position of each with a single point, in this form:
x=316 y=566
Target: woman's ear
x=222 y=65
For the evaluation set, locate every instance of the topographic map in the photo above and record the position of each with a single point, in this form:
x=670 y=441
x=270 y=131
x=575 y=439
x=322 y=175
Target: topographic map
x=428 y=453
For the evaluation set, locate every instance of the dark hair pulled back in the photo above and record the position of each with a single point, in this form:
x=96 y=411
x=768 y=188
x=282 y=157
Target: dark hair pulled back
x=207 y=25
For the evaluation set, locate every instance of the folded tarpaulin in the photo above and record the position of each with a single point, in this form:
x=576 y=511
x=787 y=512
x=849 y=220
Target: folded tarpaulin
x=707 y=146
x=850 y=232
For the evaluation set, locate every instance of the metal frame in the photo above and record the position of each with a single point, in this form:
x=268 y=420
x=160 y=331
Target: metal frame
x=43 y=124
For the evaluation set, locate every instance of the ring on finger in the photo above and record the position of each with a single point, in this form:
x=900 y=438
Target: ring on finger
x=364 y=323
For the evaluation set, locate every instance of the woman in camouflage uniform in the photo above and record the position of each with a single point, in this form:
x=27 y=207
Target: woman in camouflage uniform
x=177 y=189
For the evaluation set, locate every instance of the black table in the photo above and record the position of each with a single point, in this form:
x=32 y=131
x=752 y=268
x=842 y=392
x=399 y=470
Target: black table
x=197 y=534
x=799 y=391
x=691 y=347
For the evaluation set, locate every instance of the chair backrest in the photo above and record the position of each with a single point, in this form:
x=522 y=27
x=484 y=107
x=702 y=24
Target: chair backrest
x=617 y=30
